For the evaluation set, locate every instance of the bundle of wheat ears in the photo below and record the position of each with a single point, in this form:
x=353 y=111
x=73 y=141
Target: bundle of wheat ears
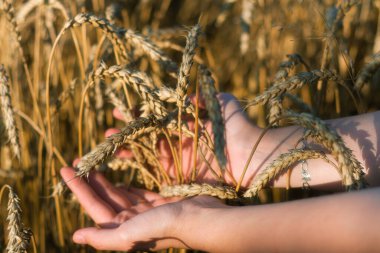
x=148 y=77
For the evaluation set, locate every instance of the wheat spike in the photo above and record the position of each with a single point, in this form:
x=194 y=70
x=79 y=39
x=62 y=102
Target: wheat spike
x=350 y=168
x=187 y=62
x=134 y=79
x=19 y=235
x=106 y=149
x=111 y=32
x=215 y=113
x=150 y=49
x=367 y=72
x=292 y=83
x=279 y=166
x=190 y=190
x=8 y=115
x=275 y=111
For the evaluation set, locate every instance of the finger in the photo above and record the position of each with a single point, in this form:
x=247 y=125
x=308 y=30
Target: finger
x=123 y=239
x=98 y=209
x=75 y=162
x=133 y=198
x=201 y=101
x=117 y=114
x=108 y=192
x=111 y=131
x=100 y=238
x=145 y=194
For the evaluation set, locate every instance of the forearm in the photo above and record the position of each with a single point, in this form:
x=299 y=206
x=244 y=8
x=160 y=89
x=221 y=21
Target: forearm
x=345 y=222
x=359 y=134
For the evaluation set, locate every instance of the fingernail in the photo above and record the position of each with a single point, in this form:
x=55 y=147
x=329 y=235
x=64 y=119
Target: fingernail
x=78 y=238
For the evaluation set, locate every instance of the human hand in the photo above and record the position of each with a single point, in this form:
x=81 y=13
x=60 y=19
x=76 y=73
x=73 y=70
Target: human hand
x=240 y=136
x=134 y=219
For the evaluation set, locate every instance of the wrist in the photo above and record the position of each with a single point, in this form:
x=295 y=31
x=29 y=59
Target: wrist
x=197 y=226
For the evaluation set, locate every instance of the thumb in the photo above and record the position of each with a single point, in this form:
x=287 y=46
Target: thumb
x=100 y=238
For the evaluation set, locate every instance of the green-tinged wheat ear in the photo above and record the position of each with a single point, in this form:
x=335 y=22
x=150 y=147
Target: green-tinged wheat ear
x=367 y=72
x=279 y=166
x=214 y=110
x=8 y=114
x=190 y=190
x=106 y=149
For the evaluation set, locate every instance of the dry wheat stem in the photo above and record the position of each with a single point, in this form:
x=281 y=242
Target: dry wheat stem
x=350 y=168
x=191 y=190
x=214 y=112
x=106 y=149
x=279 y=166
x=8 y=114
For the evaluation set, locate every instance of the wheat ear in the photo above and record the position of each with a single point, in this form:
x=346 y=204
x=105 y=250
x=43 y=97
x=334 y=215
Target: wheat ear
x=19 y=235
x=149 y=48
x=8 y=114
x=110 y=31
x=367 y=72
x=279 y=166
x=215 y=113
x=190 y=190
x=350 y=168
x=136 y=81
x=104 y=150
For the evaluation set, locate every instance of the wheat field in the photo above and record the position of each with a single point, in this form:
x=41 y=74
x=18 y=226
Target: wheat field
x=65 y=65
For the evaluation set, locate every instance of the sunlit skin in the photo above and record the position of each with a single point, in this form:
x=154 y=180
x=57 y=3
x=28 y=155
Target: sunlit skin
x=140 y=219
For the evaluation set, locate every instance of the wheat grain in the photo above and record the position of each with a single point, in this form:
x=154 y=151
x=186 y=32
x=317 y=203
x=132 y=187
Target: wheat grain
x=190 y=190
x=279 y=166
x=8 y=114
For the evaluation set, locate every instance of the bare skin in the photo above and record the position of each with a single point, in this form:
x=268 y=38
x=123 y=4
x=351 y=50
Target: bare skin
x=139 y=219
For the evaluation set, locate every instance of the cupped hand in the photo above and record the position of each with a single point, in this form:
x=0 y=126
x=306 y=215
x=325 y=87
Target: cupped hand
x=133 y=219
x=240 y=137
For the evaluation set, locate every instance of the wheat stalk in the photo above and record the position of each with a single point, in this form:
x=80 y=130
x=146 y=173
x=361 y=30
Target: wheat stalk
x=279 y=166
x=190 y=190
x=8 y=114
